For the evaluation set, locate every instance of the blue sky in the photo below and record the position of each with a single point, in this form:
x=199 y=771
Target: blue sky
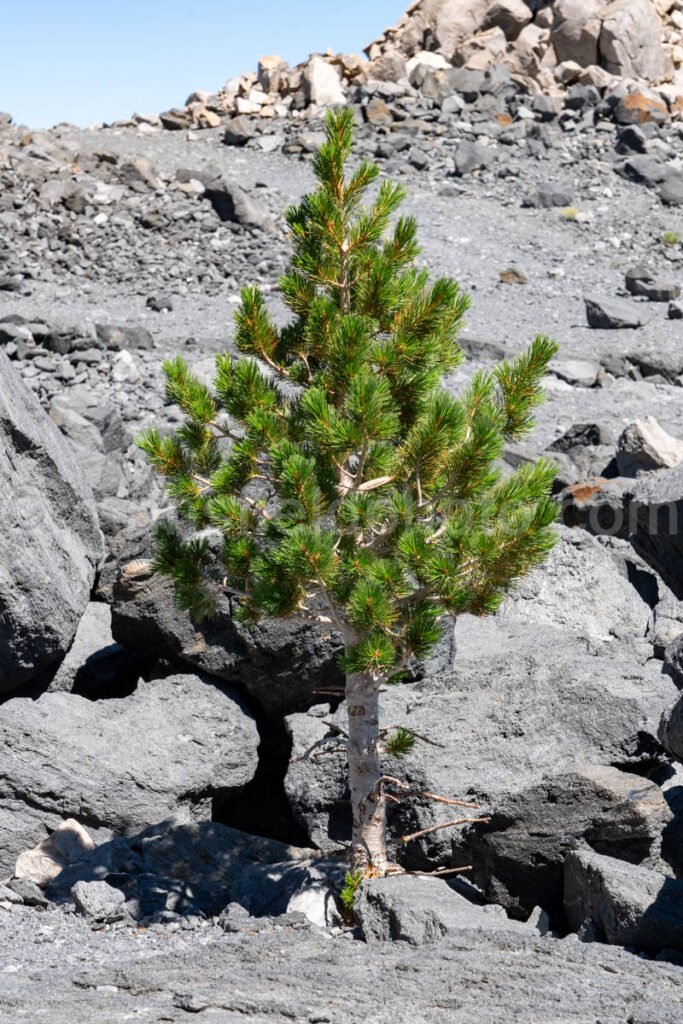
x=96 y=60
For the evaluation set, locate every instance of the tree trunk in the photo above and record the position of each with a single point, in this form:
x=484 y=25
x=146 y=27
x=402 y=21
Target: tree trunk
x=368 y=803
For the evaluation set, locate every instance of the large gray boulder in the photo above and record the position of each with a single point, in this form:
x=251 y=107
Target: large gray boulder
x=120 y=765
x=629 y=906
x=655 y=516
x=671 y=730
x=279 y=663
x=529 y=723
x=423 y=910
x=582 y=588
x=631 y=43
x=50 y=542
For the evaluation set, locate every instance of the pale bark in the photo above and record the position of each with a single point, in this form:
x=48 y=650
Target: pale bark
x=368 y=803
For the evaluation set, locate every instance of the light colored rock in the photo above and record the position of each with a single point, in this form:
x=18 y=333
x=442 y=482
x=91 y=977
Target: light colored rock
x=316 y=901
x=271 y=73
x=454 y=21
x=389 y=67
x=581 y=372
x=597 y=76
x=567 y=71
x=528 y=50
x=509 y=15
x=645 y=445
x=631 y=40
x=576 y=30
x=68 y=844
x=481 y=50
x=322 y=83
x=428 y=59
x=246 y=106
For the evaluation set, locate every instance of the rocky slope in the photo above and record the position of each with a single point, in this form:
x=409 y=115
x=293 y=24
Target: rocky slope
x=160 y=751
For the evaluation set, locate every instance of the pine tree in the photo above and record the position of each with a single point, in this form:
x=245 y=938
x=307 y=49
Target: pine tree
x=328 y=475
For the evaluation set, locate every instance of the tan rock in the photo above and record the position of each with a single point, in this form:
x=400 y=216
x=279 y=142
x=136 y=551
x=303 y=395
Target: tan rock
x=378 y=112
x=429 y=59
x=351 y=65
x=631 y=40
x=528 y=50
x=567 y=71
x=271 y=73
x=509 y=15
x=636 y=108
x=246 y=106
x=207 y=118
x=322 y=83
x=645 y=446
x=454 y=21
x=388 y=68
x=576 y=30
x=258 y=96
x=199 y=96
x=544 y=17
x=597 y=76
x=68 y=844
x=482 y=50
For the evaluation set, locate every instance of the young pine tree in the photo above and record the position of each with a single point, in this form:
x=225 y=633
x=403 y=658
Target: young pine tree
x=330 y=476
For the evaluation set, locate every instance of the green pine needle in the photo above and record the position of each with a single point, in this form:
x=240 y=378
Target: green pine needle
x=400 y=743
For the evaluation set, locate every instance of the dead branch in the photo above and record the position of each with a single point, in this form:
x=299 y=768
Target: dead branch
x=394 y=869
x=432 y=796
x=444 y=824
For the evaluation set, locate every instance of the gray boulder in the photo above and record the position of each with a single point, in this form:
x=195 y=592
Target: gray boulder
x=473 y=156
x=50 y=542
x=279 y=663
x=423 y=910
x=548 y=195
x=93 y=637
x=119 y=336
x=232 y=203
x=120 y=765
x=518 y=856
x=628 y=905
x=655 y=514
x=671 y=189
x=99 y=901
x=671 y=730
x=613 y=314
x=582 y=588
x=238 y=130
